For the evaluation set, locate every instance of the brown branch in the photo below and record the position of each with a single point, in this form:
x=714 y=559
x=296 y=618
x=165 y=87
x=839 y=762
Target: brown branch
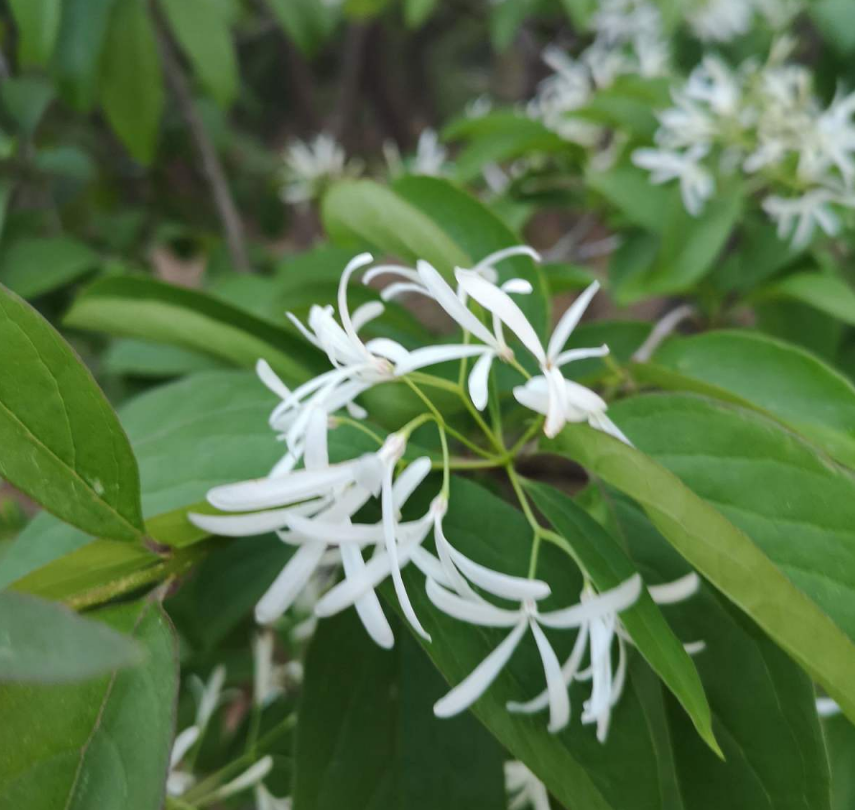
x=211 y=166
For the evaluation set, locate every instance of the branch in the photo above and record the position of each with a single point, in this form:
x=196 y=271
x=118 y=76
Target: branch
x=212 y=168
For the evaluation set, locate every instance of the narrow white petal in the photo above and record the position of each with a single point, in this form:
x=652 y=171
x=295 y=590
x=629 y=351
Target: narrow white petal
x=390 y=349
x=250 y=777
x=503 y=306
x=516 y=589
x=315 y=451
x=302 y=329
x=271 y=379
x=479 y=379
x=602 y=422
x=467 y=610
x=555 y=409
x=695 y=647
x=517 y=286
x=675 y=591
x=250 y=524
x=291 y=580
x=448 y=300
x=611 y=601
x=390 y=269
x=367 y=606
x=569 y=320
x=336 y=532
x=389 y=521
x=407 y=482
x=366 y=313
x=478 y=681
x=430 y=566
x=571 y=355
x=825 y=707
x=183 y=743
x=432 y=355
x=506 y=253
x=400 y=287
x=354 y=264
x=559 y=702
x=262 y=493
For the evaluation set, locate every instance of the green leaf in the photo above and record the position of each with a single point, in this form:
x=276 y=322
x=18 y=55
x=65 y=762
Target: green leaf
x=477 y=232
x=609 y=566
x=6 y=190
x=371 y=740
x=828 y=294
x=25 y=99
x=308 y=23
x=32 y=267
x=38 y=23
x=840 y=739
x=62 y=443
x=578 y=770
x=79 y=49
x=362 y=212
x=418 y=12
x=45 y=643
x=689 y=247
x=769 y=375
x=736 y=563
x=202 y=29
x=622 y=337
x=141 y=358
x=151 y=310
x=763 y=706
x=131 y=80
x=832 y=17
x=628 y=105
x=628 y=189
x=103 y=743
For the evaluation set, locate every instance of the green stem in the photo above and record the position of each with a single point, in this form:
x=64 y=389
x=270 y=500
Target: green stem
x=363 y=428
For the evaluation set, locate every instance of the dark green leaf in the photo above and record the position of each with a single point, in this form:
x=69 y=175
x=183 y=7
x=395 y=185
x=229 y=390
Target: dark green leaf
x=62 y=443
x=79 y=49
x=371 y=741
x=25 y=99
x=840 y=739
x=608 y=565
x=42 y=642
x=307 y=22
x=203 y=32
x=32 y=267
x=104 y=743
x=731 y=559
x=150 y=310
x=628 y=188
x=417 y=12
x=766 y=374
x=829 y=294
x=140 y=358
x=38 y=23
x=131 y=80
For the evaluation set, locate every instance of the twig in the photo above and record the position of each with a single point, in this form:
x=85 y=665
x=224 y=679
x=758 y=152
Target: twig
x=212 y=168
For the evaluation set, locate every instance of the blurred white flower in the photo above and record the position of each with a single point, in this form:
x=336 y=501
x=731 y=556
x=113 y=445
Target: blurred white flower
x=696 y=183
x=309 y=167
x=265 y=800
x=721 y=20
x=431 y=155
x=798 y=217
x=826 y=707
x=524 y=788
x=269 y=678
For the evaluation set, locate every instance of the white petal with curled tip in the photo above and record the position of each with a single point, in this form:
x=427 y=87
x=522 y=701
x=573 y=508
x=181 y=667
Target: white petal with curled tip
x=503 y=306
x=505 y=586
x=353 y=265
x=432 y=355
x=670 y=592
x=479 y=379
x=183 y=743
x=390 y=349
x=571 y=355
x=366 y=313
x=478 y=681
x=506 y=253
x=263 y=493
x=400 y=287
x=559 y=702
x=608 y=602
x=390 y=269
x=407 y=482
x=569 y=320
x=271 y=379
x=468 y=610
x=389 y=525
x=448 y=300
x=368 y=605
x=291 y=580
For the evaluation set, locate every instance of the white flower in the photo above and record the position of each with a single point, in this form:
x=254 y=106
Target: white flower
x=430 y=154
x=269 y=678
x=597 y=632
x=799 y=216
x=524 y=788
x=831 y=142
x=721 y=20
x=209 y=695
x=826 y=707
x=714 y=84
x=620 y=21
x=251 y=777
x=180 y=781
x=696 y=183
x=309 y=167
x=526 y=617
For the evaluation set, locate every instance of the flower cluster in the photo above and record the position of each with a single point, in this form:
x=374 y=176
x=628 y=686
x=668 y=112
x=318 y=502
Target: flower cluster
x=309 y=167
x=628 y=41
x=766 y=120
x=726 y=20
x=316 y=505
